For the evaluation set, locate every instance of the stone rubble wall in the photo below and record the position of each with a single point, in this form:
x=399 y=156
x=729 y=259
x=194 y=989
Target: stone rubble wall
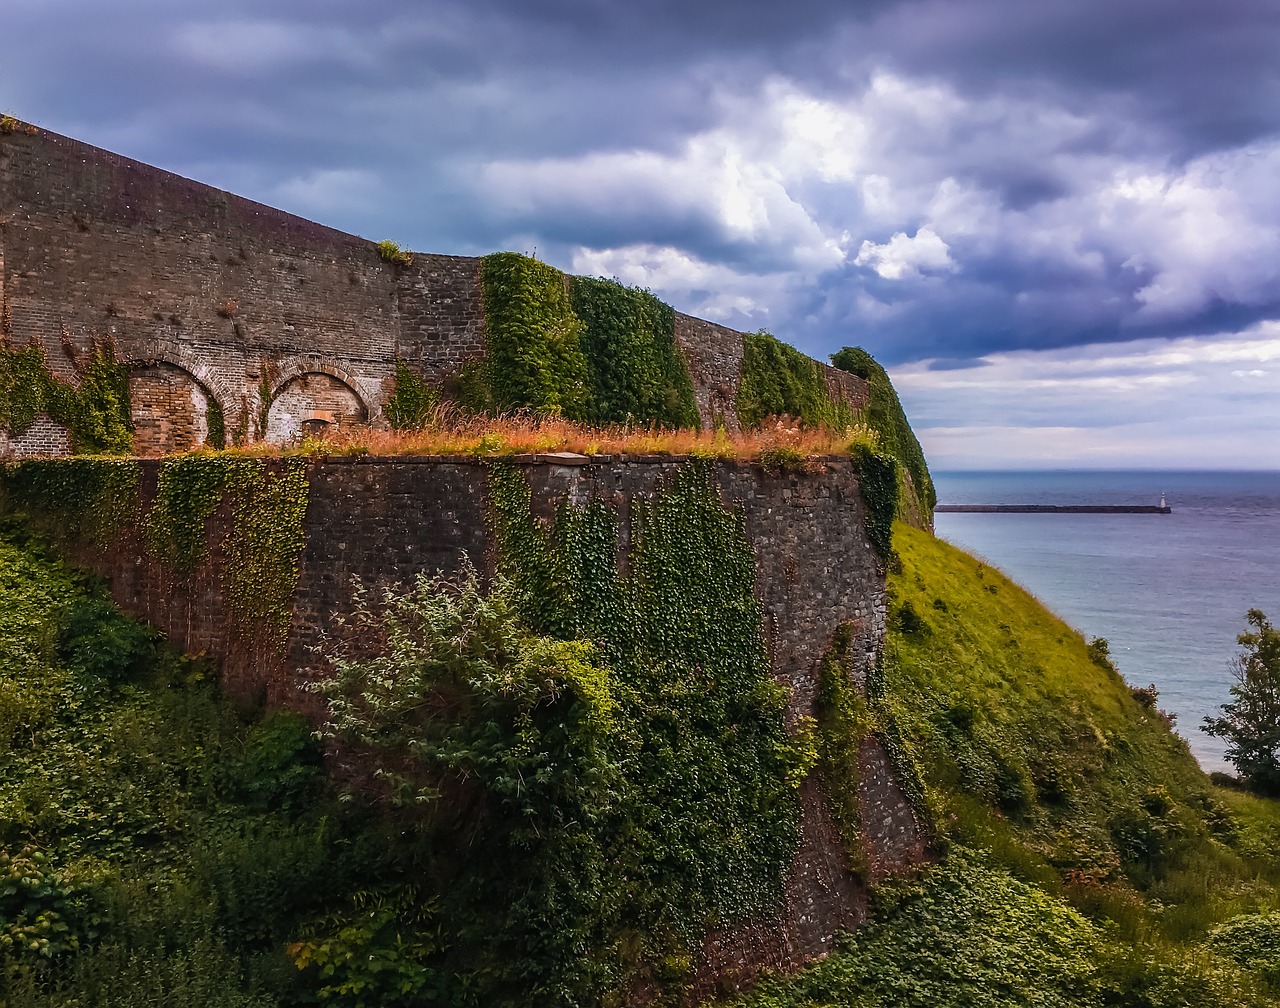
x=384 y=520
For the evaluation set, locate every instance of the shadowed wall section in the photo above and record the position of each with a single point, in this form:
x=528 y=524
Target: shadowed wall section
x=384 y=520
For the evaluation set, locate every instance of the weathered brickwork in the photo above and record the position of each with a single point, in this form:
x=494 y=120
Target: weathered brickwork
x=384 y=520
x=215 y=299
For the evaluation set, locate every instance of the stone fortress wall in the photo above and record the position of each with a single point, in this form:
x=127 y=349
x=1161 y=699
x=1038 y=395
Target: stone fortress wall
x=216 y=302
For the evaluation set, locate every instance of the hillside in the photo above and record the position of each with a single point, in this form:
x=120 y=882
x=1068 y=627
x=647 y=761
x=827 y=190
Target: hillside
x=1085 y=858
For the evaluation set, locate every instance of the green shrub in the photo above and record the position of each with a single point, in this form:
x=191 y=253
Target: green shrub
x=412 y=401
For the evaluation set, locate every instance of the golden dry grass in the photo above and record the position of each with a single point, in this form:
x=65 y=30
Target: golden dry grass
x=452 y=431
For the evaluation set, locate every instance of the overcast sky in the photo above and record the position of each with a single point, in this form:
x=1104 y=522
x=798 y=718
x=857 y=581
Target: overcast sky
x=1057 y=222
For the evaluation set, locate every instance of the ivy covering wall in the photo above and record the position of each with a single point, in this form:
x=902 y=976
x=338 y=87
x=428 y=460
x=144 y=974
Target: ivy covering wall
x=84 y=499
x=96 y=412
x=635 y=372
x=700 y=818
x=533 y=353
x=886 y=417
x=589 y=349
x=778 y=380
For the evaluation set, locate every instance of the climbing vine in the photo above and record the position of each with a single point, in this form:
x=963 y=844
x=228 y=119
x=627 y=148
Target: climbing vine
x=885 y=416
x=708 y=814
x=878 y=481
x=778 y=380
x=189 y=490
x=96 y=412
x=533 y=340
x=73 y=497
x=217 y=423
x=412 y=400
x=843 y=722
x=263 y=551
x=635 y=372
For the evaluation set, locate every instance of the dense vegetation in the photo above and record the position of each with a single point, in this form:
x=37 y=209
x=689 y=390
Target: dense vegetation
x=1086 y=858
x=95 y=410
x=778 y=380
x=885 y=416
x=584 y=348
x=521 y=814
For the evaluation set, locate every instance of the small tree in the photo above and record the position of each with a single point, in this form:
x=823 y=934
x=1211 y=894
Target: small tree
x=1251 y=721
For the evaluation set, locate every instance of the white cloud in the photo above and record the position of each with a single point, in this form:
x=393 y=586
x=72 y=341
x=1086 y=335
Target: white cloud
x=903 y=257
x=1150 y=403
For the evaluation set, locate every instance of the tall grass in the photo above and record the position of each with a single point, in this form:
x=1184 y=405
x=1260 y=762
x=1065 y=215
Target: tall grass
x=452 y=431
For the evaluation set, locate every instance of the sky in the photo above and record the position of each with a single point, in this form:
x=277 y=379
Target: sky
x=1056 y=223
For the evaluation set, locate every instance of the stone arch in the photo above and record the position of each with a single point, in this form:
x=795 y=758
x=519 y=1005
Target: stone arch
x=158 y=350
x=173 y=410
x=286 y=369
x=313 y=402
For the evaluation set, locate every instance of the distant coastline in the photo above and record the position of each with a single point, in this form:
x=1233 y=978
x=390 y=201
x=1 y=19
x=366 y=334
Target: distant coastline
x=1056 y=508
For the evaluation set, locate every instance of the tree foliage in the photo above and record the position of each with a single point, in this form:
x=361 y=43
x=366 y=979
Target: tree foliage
x=1250 y=723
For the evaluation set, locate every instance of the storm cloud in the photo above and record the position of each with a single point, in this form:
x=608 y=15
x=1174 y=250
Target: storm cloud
x=945 y=182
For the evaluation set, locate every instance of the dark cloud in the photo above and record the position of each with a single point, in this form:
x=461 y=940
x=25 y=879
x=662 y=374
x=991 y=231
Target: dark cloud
x=932 y=179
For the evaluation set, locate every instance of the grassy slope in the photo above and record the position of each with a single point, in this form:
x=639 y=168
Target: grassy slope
x=1089 y=856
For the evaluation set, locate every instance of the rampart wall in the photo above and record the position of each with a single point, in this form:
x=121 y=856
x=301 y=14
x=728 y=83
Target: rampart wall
x=384 y=520
x=219 y=304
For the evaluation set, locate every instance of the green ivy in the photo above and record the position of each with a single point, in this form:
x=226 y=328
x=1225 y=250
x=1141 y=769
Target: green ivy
x=189 y=490
x=635 y=372
x=886 y=417
x=707 y=813
x=97 y=412
x=843 y=722
x=217 y=423
x=878 y=481
x=410 y=404
x=263 y=550
x=73 y=497
x=533 y=340
x=778 y=380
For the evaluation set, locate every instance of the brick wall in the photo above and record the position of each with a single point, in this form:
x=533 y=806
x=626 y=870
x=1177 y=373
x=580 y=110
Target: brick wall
x=237 y=296
x=384 y=520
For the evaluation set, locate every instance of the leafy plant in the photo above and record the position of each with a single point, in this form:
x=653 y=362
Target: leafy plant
x=1250 y=723
x=533 y=340
x=390 y=252
x=778 y=380
x=635 y=372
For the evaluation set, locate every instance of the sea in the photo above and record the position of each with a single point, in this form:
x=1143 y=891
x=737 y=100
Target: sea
x=1168 y=592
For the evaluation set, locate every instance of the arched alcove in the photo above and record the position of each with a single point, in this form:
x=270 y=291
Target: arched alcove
x=171 y=408
x=313 y=403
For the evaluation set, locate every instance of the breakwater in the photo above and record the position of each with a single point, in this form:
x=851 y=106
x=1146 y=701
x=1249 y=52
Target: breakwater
x=1056 y=508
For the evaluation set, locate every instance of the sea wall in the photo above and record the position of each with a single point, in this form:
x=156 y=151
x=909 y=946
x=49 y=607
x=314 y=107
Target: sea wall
x=385 y=520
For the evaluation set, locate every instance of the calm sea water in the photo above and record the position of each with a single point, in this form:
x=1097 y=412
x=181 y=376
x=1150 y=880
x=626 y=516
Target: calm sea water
x=1168 y=591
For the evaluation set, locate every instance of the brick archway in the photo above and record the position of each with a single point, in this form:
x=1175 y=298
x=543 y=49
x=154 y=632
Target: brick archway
x=172 y=409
